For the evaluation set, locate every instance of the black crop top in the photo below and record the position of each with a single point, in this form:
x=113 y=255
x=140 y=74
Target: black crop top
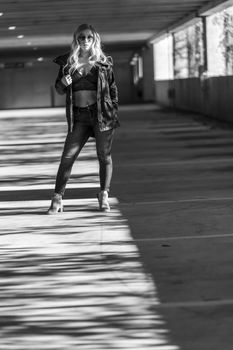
x=85 y=82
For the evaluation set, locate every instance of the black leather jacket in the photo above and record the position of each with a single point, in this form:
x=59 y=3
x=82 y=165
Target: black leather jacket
x=107 y=94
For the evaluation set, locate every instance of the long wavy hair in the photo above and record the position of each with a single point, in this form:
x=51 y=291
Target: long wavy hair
x=95 y=55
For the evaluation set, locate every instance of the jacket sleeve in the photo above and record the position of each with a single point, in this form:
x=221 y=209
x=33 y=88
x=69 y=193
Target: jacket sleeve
x=113 y=89
x=59 y=86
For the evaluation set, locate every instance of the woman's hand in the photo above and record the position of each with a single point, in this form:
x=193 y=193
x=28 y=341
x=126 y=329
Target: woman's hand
x=66 y=80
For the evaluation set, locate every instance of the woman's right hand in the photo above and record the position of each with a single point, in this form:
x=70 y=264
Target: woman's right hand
x=66 y=80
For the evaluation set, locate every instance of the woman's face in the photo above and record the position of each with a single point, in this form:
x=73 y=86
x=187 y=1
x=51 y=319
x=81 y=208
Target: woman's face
x=85 y=40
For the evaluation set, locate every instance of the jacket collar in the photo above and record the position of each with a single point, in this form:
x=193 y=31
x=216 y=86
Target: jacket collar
x=62 y=59
x=107 y=64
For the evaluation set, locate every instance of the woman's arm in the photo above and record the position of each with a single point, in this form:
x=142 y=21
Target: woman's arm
x=59 y=85
x=62 y=82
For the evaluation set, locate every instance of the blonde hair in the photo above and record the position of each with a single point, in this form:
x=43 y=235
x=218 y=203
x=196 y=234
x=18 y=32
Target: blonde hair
x=96 y=53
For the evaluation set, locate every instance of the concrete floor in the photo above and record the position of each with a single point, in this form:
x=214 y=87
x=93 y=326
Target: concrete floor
x=155 y=273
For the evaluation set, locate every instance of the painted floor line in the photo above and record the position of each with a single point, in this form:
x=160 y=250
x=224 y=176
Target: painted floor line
x=47 y=187
x=32 y=112
x=121 y=204
x=178 y=162
x=34 y=204
x=32 y=142
x=177 y=238
x=190 y=200
x=57 y=111
x=201 y=303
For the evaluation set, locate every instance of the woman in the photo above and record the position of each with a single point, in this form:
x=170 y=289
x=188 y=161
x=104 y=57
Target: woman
x=86 y=76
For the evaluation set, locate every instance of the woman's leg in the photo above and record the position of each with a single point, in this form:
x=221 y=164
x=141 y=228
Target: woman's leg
x=74 y=143
x=104 y=141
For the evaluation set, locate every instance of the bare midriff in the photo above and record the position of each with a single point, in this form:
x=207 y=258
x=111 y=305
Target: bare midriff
x=84 y=98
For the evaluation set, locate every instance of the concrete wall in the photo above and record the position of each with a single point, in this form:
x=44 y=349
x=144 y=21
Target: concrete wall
x=123 y=75
x=163 y=92
x=148 y=74
x=33 y=86
x=212 y=97
x=219 y=97
x=27 y=87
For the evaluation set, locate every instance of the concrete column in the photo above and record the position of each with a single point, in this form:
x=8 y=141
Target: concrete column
x=148 y=73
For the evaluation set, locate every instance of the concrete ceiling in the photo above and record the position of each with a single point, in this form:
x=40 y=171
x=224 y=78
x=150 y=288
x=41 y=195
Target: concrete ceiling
x=50 y=23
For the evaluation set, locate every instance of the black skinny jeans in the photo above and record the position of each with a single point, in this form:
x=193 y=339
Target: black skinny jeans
x=86 y=125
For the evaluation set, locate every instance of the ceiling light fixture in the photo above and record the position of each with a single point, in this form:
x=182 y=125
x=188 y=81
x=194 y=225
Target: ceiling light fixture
x=1 y=14
x=12 y=27
x=40 y=59
x=20 y=36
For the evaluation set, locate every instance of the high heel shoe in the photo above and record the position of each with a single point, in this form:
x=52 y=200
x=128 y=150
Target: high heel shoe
x=56 y=204
x=103 y=201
